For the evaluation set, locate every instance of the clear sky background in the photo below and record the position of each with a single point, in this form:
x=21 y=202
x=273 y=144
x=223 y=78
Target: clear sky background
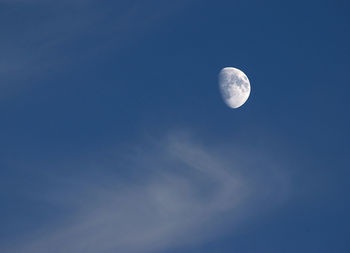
x=114 y=137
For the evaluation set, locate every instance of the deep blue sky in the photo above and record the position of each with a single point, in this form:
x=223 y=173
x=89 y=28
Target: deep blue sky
x=89 y=87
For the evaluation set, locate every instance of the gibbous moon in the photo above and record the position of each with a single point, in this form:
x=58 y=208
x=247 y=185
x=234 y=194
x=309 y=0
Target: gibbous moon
x=234 y=87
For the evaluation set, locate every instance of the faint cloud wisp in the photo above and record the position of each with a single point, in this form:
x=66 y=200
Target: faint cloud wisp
x=182 y=192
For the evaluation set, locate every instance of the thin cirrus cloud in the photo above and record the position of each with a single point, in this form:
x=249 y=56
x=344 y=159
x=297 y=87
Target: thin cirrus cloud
x=180 y=192
x=43 y=38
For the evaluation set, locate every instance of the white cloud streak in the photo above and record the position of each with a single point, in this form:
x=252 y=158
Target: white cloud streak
x=43 y=38
x=183 y=193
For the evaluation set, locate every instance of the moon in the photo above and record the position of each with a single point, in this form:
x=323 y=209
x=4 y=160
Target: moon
x=234 y=87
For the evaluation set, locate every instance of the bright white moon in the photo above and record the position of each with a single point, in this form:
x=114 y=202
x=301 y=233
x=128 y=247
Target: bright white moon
x=234 y=87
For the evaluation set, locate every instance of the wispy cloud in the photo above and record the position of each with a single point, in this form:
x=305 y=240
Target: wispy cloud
x=177 y=191
x=43 y=38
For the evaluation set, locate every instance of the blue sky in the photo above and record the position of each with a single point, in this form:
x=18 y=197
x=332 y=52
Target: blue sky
x=114 y=137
